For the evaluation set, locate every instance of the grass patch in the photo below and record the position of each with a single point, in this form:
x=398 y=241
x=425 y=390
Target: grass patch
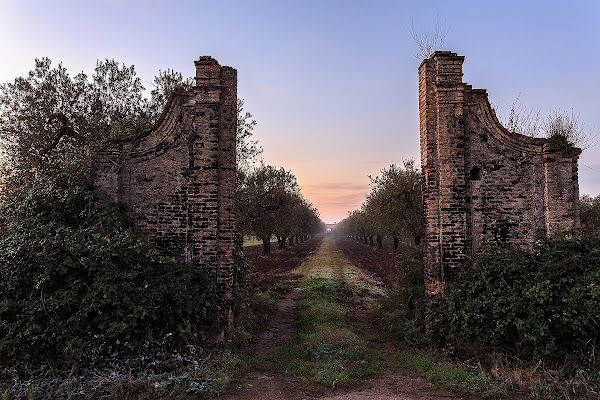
x=501 y=377
x=284 y=286
x=325 y=349
x=177 y=375
x=458 y=379
x=210 y=380
x=255 y=242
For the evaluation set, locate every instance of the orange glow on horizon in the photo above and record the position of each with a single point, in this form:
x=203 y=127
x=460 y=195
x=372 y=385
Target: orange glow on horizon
x=335 y=200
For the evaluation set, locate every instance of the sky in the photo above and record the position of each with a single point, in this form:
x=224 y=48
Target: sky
x=331 y=84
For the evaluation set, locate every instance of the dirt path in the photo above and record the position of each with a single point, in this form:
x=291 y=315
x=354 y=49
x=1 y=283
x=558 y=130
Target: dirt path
x=267 y=382
x=395 y=383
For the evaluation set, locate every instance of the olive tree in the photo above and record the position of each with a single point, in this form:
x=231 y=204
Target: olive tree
x=50 y=115
x=269 y=202
x=590 y=211
x=393 y=207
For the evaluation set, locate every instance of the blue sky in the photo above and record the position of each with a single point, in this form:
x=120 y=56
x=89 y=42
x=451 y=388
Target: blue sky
x=332 y=84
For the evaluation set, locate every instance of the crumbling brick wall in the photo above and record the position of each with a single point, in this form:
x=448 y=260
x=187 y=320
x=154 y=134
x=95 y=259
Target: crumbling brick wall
x=483 y=185
x=178 y=181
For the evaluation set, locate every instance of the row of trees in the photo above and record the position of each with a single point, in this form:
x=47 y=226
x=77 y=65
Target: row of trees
x=269 y=202
x=393 y=208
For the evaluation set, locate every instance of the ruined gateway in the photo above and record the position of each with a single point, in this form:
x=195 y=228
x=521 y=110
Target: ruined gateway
x=483 y=185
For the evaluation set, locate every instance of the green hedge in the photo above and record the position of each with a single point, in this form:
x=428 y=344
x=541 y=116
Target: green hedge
x=404 y=306
x=540 y=305
x=77 y=283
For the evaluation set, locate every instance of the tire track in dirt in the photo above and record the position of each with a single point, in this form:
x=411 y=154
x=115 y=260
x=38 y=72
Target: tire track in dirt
x=280 y=327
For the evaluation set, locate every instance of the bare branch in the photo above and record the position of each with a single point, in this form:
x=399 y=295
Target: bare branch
x=430 y=41
x=567 y=127
x=523 y=120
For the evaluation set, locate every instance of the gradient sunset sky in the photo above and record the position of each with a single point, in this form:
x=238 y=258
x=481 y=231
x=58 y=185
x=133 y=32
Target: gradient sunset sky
x=332 y=84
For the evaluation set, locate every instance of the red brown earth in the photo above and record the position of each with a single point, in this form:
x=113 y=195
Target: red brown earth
x=277 y=266
x=379 y=262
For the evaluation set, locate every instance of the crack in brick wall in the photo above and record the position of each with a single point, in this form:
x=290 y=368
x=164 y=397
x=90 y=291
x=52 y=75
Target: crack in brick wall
x=483 y=185
x=178 y=180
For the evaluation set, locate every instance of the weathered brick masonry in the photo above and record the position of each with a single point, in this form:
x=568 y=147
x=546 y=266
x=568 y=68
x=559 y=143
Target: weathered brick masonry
x=178 y=181
x=483 y=185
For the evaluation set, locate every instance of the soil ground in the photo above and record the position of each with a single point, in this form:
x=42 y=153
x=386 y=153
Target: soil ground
x=278 y=266
x=267 y=382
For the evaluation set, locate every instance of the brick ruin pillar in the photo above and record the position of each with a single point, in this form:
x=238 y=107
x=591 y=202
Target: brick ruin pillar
x=441 y=93
x=483 y=185
x=560 y=188
x=215 y=108
x=178 y=180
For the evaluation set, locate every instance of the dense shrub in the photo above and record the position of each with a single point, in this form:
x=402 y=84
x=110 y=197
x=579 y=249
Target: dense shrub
x=404 y=316
x=540 y=305
x=77 y=283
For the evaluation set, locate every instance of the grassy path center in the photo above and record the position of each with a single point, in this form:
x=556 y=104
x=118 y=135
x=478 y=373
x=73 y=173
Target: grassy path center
x=326 y=348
